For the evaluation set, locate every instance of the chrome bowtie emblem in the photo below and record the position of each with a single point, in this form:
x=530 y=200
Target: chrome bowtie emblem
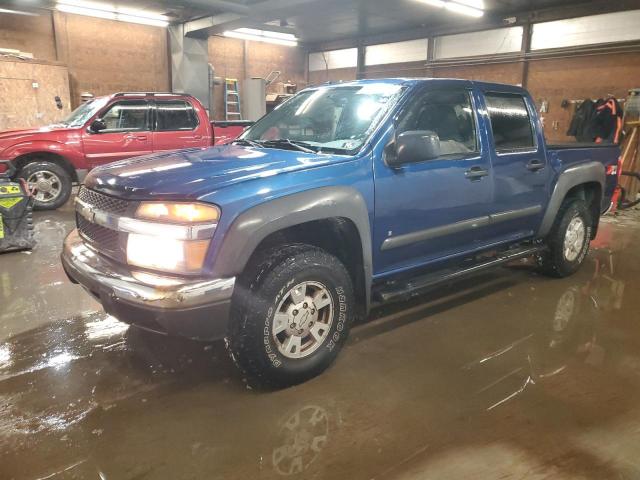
x=86 y=211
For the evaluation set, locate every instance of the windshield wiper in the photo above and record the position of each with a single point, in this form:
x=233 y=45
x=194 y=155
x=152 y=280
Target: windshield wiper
x=244 y=141
x=302 y=146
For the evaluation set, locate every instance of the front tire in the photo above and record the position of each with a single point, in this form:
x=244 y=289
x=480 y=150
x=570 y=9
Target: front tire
x=49 y=183
x=291 y=315
x=569 y=239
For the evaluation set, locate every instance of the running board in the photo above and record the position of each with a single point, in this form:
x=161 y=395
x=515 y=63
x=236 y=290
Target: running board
x=402 y=289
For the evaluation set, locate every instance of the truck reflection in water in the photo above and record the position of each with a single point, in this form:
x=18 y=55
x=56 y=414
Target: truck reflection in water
x=92 y=398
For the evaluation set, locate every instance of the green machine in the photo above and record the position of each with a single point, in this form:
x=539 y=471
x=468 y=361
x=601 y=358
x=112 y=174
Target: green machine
x=16 y=207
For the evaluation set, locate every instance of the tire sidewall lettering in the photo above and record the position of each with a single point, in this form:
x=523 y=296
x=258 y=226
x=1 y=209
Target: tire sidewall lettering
x=342 y=316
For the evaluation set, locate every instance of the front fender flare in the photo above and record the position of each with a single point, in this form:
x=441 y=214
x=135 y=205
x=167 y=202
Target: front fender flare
x=253 y=225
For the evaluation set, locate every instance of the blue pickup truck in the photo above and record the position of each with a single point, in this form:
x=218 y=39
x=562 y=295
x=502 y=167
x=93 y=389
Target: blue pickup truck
x=344 y=197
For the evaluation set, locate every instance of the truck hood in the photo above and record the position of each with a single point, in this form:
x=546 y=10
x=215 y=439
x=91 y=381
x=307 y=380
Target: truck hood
x=193 y=173
x=23 y=132
x=9 y=138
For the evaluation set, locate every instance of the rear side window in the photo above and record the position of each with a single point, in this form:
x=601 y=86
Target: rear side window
x=175 y=115
x=510 y=121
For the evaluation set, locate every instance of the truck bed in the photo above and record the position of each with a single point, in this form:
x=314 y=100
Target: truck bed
x=574 y=153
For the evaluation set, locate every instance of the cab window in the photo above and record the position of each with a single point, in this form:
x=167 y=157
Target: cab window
x=127 y=116
x=447 y=113
x=510 y=122
x=175 y=115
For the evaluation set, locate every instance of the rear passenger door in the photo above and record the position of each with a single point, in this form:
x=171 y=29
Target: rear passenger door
x=520 y=167
x=176 y=125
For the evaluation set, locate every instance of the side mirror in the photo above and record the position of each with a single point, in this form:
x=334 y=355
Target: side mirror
x=97 y=125
x=415 y=146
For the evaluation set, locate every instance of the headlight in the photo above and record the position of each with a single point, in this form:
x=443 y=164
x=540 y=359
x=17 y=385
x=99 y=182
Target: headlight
x=170 y=236
x=166 y=254
x=178 y=212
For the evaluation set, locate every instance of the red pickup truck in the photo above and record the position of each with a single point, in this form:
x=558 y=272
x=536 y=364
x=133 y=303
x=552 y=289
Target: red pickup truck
x=106 y=129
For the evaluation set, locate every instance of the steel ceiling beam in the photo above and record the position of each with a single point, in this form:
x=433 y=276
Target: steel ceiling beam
x=221 y=5
x=258 y=14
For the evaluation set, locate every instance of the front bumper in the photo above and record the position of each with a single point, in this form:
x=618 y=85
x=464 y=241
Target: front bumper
x=195 y=309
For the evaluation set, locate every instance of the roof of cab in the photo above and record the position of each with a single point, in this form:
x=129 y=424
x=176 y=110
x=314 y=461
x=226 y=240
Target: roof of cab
x=414 y=81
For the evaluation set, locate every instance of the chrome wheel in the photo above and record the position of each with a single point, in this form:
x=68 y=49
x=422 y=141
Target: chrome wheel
x=303 y=319
x=574 y=239
x=45 y=186
x=564 y=311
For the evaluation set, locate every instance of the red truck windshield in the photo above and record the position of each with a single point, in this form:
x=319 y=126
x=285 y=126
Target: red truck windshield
x=335 y=118
x=84 y=112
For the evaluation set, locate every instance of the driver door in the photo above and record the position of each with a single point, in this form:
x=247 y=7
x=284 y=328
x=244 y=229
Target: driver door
x=127 y=134
x=434 y=209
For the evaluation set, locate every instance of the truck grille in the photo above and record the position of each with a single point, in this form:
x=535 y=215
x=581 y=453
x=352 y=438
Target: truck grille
x=104 y=240
x=103 y=202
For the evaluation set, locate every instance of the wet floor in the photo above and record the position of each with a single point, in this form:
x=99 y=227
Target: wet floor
x=510 y=375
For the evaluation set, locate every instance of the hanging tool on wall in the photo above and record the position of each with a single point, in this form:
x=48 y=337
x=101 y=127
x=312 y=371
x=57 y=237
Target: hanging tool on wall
x=16 y=206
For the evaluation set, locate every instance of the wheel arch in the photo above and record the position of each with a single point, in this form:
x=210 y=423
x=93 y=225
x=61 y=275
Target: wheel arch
x=335 y=219
x=22 y=160
x=585 y=181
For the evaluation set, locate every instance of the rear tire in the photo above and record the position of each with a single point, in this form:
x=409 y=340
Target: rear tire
x=569 y=239
x=49 y=183
x=291 y=314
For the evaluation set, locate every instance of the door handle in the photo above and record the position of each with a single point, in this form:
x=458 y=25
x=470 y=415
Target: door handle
x=133 y=136
x=535 y=165
x=476 y=173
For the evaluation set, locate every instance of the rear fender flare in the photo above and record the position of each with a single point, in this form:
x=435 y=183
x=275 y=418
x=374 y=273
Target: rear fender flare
x=589 y=172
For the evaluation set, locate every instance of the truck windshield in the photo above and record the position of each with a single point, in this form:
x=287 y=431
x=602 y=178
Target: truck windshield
x=335 y=119
x=84 y=112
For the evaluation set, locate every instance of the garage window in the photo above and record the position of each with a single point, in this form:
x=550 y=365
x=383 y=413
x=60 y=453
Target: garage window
x=510 y=122
x=127 y=116
x=175 y=115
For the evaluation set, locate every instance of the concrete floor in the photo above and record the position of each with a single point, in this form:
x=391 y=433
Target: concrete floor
x=510 y=375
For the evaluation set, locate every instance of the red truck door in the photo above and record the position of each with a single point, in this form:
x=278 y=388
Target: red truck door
x=177 y=125
x=128 y=133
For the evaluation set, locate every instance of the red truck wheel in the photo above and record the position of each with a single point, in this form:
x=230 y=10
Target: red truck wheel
x=49 y=183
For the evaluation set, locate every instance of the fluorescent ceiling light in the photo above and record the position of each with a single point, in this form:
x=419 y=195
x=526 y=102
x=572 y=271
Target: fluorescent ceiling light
x=112 y=12
x=473 y=8
x=17 y=12
x=86 y=11
x=479 y=4
x=463 y=9
x=267 y=36
x=433 y=3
